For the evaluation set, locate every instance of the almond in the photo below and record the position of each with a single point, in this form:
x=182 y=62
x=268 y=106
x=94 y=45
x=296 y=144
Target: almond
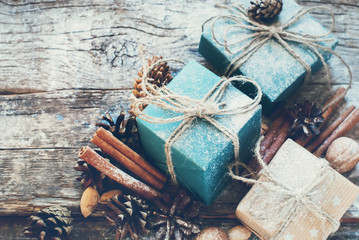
x=89 y=201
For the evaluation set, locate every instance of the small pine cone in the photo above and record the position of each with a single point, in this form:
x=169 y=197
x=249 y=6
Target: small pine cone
x=52 y=223
x=307 y=118
x=265 y=9
x=128 y=215
x=90 y=176
x=159 y=76
x=124 y=129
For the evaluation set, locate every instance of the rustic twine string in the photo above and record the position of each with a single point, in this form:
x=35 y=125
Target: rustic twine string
x=260 y=33
x=298 y=200
x=190 y=109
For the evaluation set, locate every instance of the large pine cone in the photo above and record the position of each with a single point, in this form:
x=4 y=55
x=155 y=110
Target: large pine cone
x=128 y=215
x=265 y=9
x=179 y=221
x=52 y=223
x=159 y=76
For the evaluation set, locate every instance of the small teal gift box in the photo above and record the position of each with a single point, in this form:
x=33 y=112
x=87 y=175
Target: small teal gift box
x=274 y=68
x=201 y=153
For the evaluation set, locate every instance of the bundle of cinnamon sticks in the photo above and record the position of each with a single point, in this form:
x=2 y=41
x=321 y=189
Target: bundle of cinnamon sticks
x=278 y=132
x=128 y=158
x=147 y=180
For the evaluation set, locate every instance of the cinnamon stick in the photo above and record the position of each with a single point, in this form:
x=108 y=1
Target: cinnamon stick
x=272 y=133
x=129 y=153
x=95 y=160
x=304 y=140
x=325 y=134
x=342 y=129
x=127 y=163
x=270 y=136
x=349 y=220
x=278 y=142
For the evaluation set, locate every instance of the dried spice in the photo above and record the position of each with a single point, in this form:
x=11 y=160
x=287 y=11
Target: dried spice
x=125 y=129
x=51 y=223
x=307 y=118
x=179 y=221
x=128 y=216
x=159 y=76
x=265 y=9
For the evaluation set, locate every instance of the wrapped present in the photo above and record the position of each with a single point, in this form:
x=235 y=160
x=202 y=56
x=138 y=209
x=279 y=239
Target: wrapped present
x=227 y=42
x=200 y=154
x=298 y=196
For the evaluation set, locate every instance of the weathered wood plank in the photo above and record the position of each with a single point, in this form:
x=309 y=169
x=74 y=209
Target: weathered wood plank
x=62 y=119
x=96 y=228
x=85 y=44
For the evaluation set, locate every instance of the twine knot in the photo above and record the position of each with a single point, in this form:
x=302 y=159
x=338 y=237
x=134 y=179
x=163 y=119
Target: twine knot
x=208 y=108
x=273 y=30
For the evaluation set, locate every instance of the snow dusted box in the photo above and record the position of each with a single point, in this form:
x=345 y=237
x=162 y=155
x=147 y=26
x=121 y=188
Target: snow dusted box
x=202 y=153
x=277 y=72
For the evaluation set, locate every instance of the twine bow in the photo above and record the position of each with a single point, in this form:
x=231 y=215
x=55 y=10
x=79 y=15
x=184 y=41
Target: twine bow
x=297 y=200
x=190 y=109
x=260 y=33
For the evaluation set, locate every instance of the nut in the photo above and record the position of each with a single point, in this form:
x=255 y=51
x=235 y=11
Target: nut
x=239 y=233
x=343 y=154
x=212 y=233
x=108 y=195
x=89 y=201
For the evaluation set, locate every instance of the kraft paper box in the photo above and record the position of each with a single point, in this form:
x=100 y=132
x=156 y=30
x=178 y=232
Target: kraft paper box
x=265 y=211
x=202 y=153
x=272 y=66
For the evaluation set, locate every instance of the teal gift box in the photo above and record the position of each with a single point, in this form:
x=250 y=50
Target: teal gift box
x=277 y=72
x=202 y=153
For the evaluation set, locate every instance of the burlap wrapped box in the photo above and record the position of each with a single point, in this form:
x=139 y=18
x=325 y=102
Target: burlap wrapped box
x=305 y=201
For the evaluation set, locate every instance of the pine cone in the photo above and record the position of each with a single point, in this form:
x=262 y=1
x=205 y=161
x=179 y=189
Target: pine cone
x=307 y=117
x=265 y=9
x=128 y=216
x=52 y=223
x=179 y=220
x=159 y=76
x=124 y=129
x=90 y=176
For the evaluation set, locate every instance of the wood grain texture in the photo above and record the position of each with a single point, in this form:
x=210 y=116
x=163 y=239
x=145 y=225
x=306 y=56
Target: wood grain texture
x=64 y=63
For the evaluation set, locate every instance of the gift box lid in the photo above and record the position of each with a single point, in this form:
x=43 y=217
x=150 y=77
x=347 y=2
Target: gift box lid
x=202 y=153
x=295 y=167
x=272 y=66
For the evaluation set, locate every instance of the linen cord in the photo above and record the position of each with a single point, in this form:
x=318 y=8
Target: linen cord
x=261 y=33
x=298 y=200
x=190 y=109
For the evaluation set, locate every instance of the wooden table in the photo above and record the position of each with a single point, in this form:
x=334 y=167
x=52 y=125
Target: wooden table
x=64 y=63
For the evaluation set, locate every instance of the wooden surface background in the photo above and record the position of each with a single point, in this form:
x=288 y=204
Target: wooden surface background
x=64 y=63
